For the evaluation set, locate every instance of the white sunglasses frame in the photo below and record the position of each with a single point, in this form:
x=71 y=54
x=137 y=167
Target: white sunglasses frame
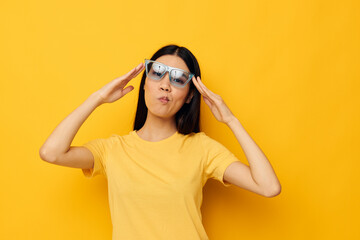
x=168 y=69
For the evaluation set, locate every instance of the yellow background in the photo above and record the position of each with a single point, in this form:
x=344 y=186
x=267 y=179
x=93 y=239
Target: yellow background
x=288 y=70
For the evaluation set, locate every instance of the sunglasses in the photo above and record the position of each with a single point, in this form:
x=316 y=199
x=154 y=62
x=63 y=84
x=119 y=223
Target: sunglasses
x=156 y=71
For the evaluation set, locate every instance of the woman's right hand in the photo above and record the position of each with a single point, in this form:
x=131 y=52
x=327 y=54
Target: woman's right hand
x=114 y=90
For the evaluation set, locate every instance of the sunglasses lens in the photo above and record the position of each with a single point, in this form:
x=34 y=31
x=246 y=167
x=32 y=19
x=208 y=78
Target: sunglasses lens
x=155 y=70
x=179 y=77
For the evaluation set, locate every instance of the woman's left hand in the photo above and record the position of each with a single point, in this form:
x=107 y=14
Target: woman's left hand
x=217 y=105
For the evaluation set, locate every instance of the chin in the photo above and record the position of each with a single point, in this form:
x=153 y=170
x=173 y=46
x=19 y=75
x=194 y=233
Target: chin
x=163 y=115
x=160 y=113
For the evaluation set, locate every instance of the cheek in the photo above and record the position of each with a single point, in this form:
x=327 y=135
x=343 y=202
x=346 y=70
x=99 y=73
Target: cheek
x=148 y=88
x=151 y=85
x=181 y=96
x=147 y=92
x=151 y=93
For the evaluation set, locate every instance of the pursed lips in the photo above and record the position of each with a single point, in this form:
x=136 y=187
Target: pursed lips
x=164 y=99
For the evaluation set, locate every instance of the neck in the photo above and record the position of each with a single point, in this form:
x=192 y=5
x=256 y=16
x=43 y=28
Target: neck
x=156 y=128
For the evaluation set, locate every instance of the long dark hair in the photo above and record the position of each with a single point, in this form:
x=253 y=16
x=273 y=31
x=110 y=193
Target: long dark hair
x=187 y=118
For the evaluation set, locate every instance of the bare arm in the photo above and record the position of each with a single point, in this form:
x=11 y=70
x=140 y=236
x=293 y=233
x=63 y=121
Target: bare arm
x=61 y=138
x=259 y=177
x=57 y=145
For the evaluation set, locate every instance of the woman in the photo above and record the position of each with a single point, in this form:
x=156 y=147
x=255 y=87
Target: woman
x=156 y=172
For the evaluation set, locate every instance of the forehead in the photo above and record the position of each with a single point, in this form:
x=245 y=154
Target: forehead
x=173 y=61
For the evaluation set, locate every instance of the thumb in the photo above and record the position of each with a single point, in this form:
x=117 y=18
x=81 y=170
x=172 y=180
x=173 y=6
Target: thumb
x=128 y=89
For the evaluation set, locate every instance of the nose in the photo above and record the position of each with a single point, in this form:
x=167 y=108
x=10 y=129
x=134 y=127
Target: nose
x=165 y=82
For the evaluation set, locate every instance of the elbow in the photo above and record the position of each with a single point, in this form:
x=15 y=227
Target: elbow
x=45 y=156
x=273 y=192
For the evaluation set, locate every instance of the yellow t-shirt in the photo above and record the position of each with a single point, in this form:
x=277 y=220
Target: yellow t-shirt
x=155 y=188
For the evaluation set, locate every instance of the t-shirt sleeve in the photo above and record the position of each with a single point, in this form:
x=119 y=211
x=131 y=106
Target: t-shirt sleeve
x=217 y=159
x=98 y=148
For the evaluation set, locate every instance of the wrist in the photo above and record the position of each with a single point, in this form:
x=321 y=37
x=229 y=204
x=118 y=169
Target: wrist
x=232 y=121
x=95 y=99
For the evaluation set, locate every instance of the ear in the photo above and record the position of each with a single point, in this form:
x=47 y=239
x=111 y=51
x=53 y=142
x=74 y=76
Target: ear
x=190 y=96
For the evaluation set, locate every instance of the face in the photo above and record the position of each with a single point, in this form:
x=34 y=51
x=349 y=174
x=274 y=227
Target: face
x=155 y=89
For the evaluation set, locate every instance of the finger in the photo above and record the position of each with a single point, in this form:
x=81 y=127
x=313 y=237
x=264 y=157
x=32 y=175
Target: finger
x=139 y=69
x=131 y=72
x=197 y=86
x=135 y=71
x=125 y=76
x=127 y=90
x=203 y=92
x=123 y=80
x=207 y=101
x=206 y=89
